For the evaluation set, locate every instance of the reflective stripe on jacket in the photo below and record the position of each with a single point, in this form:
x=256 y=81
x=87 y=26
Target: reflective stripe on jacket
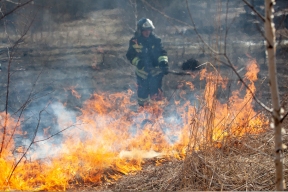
x=149 y=51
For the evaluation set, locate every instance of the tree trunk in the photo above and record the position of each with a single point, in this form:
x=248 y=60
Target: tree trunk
x=276 y=116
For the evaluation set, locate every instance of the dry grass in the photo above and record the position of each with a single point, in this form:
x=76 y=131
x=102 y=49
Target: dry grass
x=237 y=164
x=241 y=164
x=245 y=164
x=234 y=163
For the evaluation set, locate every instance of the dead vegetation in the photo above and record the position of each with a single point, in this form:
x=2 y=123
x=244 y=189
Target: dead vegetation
x=231 y=161
x=244 y=162
x=241 y=164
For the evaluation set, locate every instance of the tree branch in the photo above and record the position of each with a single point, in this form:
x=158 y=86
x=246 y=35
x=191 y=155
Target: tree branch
x=254 y=10
x=10 y=56
x=229 y=64
x=14 y=9
x=24 y=154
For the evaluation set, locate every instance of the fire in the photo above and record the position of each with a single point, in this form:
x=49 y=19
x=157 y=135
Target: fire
x=111 y=138
x=8 y=128
x=236 y=117
x=73 y=92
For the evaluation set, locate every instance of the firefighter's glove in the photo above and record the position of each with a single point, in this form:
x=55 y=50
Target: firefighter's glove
x=163 y=65
x=140 y=64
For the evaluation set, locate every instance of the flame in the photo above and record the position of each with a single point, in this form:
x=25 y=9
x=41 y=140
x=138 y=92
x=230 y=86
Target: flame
x=236 y=117
x=111 y=138
x=73 y=91
x=8 y=128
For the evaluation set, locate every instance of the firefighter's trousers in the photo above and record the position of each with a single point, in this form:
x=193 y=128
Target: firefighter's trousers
x=149 y=87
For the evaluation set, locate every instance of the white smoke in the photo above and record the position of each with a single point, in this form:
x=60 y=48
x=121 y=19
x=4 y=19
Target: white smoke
x=49 y=145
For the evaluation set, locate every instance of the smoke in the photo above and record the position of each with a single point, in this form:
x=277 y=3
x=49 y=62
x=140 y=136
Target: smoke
x=69 y=49
x=48 y=141
x=64 y=117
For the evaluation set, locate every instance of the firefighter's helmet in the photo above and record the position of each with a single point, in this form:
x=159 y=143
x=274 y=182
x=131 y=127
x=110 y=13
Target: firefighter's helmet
x=144 y=24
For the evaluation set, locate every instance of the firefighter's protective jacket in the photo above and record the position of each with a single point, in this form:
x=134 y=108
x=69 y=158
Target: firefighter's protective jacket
x=148 y=52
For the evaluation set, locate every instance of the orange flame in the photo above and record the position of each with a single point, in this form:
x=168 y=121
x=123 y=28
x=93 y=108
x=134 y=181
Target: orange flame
x=110 y=138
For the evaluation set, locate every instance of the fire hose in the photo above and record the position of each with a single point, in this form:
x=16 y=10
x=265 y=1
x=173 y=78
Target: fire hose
x=179 y=72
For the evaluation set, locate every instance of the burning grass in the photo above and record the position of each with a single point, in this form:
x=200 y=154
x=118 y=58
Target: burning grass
x=241 y=164
x=177 y=146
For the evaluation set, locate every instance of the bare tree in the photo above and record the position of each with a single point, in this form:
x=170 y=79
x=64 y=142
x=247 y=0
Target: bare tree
x=276 y=113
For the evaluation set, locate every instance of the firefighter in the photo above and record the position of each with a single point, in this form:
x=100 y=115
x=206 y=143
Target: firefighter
x=147 y=54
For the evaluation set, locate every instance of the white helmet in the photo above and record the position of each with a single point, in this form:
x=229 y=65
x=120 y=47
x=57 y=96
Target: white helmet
x=144 y=24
